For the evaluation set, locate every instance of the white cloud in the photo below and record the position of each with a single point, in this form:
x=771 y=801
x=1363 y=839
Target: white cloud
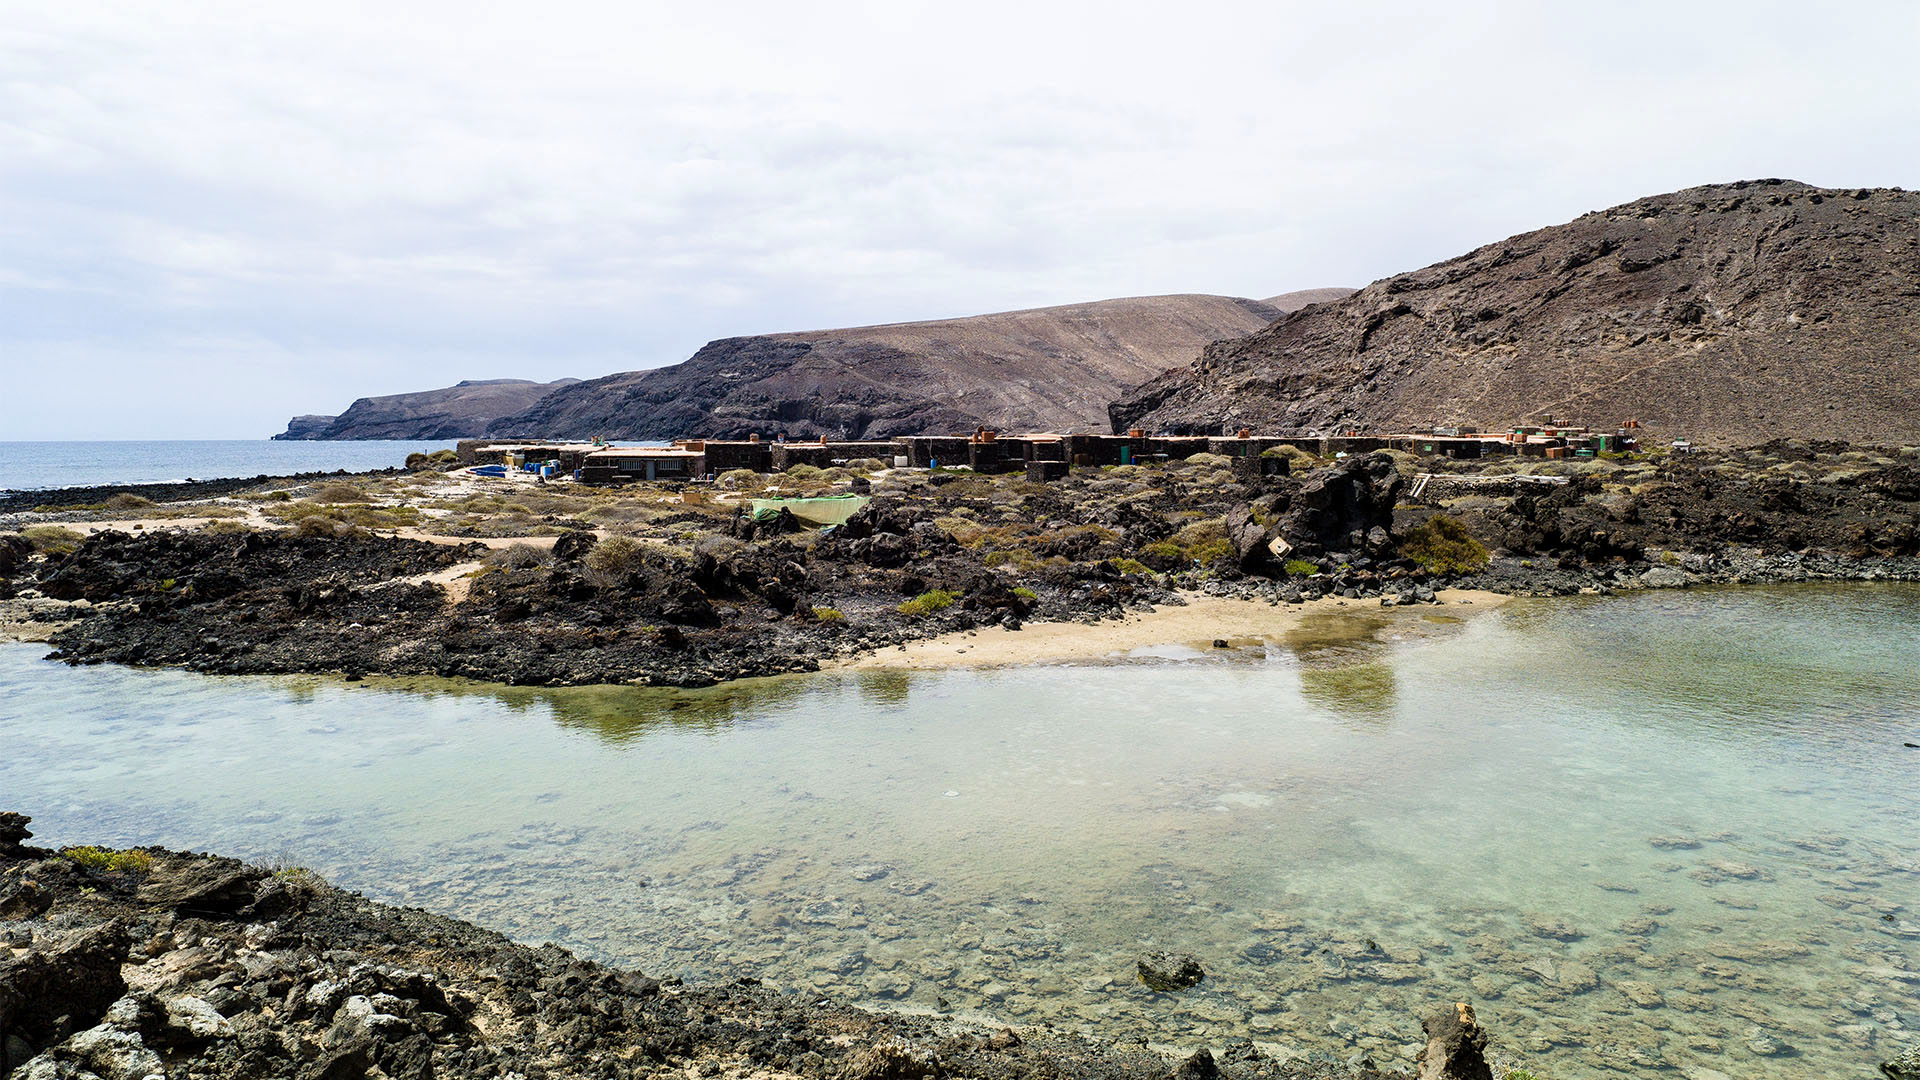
x=572 y=188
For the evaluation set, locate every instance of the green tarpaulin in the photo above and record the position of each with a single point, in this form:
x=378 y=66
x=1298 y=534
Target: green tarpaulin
x=828 y=510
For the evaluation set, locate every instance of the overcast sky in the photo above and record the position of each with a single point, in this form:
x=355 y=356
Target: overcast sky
x=215 y=215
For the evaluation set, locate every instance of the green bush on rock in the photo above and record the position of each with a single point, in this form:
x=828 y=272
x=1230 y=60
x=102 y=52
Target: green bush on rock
x=1443 y=545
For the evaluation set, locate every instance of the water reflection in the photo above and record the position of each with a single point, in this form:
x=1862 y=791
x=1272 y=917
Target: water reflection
x=1368 y=692
x=615 y=715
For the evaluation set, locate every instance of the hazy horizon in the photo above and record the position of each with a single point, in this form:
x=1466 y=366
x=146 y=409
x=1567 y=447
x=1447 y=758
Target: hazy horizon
x=217 y=216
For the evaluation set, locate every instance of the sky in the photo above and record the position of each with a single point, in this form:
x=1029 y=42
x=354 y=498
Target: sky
x=215 y=215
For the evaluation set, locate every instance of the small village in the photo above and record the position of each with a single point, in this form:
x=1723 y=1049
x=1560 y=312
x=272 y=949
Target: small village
x=1043 y=457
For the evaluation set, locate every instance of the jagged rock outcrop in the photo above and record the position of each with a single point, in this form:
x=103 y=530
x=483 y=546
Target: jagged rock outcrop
x=1731 y=313
x=310 y=426
x=1040 y=369
x=460 y=411
x=1346 y=509
x=1456 y=1046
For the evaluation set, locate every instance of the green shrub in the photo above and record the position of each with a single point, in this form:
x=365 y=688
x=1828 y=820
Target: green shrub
x=827 y=614
x=741 y=480
x=127 y=501
x=1300 y=568
x=1212 y=551
x=928 y=602
x=1443 y=545
x=803 y=472
x=866 y=465
x=519 y=557
x=338 y=493
x=277 y=496
x=1164 y=549
x=52 y=539
x=1201 y=533
x=613 y=560
x=1131 y=566
x=97 y=858
x=1025 y=593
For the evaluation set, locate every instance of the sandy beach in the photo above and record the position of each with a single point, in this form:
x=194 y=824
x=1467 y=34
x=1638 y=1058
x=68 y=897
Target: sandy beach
x=1204 y=620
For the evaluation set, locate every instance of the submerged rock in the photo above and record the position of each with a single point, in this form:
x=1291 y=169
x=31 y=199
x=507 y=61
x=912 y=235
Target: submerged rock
x=1904 y=1067
x=1167 y=972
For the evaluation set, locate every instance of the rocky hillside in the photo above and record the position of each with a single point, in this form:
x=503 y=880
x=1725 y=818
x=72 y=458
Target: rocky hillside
x=1730 y=313
x=1041 y=369
x=456 y=412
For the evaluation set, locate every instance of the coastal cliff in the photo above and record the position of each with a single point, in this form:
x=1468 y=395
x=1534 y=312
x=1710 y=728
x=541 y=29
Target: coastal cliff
x=460 y=411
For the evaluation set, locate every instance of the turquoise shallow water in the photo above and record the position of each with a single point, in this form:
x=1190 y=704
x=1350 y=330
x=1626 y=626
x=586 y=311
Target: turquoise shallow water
x=1666 y=831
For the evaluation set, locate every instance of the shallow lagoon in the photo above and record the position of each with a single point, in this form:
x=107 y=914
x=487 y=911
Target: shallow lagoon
x=1666 y=830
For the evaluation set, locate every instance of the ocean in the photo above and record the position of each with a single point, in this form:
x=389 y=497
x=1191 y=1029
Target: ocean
x=30 y=466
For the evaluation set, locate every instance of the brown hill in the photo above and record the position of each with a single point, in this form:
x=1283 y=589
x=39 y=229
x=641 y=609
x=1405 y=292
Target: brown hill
x=1294 y=301
x=1043 y=368
x=1732 y=313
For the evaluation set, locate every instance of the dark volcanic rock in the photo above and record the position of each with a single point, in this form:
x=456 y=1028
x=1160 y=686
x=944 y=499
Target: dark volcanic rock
x=1046 y=368
x=337 y=987
x=1166 y=972
x=460 y=411
x=49 y=995
x=310 y=426
x=1904 y=1067
x=1456 y=1046
x=1729 y=313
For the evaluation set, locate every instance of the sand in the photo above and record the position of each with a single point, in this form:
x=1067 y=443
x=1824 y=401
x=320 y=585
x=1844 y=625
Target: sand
x=1204 y=620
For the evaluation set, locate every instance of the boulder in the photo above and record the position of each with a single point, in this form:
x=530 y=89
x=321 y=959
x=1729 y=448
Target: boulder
x=1456 y=1046
x=1339 y=508
x=573 y=545
x=13 y=834
x=1167 y=972
x=217 y=888
x=47 y=996
x=1200 y=1066
x=1904 y=1067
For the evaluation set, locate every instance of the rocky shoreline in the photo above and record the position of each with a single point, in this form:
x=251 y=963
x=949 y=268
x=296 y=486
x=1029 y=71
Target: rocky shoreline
x=701 y=593
x=142 y=963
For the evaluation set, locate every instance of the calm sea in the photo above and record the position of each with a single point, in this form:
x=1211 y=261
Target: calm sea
x=33 y=465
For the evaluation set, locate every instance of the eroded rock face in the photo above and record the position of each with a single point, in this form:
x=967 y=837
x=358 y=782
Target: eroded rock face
x=1730 y=312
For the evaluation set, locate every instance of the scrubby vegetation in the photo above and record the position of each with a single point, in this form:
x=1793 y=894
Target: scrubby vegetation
x=612 y=561
x=106 y=859
x=519 y=557
x=52 y=539
x=928 y=602
x=1443 y=545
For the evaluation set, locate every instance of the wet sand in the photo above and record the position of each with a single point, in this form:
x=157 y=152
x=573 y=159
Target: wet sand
x=1204 y=620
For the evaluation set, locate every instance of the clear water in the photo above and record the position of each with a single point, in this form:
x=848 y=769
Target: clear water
x=1662 y=831
x=30 y=466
